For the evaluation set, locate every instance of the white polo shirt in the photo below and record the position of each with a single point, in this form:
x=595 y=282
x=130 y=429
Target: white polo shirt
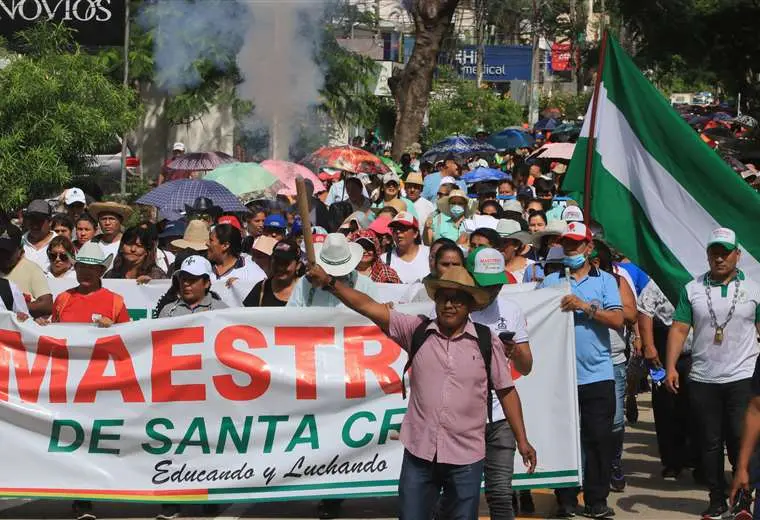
x=734 y=359
x=38 y=256
x=244 y=269
x=502 y=315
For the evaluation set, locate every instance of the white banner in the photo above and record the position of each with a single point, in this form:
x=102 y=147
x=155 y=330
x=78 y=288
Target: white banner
x=242 y=404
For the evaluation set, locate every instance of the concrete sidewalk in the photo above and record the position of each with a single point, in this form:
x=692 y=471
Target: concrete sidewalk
x=647 y=497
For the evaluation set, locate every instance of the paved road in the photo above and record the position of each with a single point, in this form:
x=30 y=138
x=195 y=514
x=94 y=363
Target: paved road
x=647 y=497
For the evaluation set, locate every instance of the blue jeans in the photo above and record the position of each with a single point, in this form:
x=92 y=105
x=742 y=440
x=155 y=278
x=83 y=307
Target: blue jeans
x=620 y=371
x=421 y=483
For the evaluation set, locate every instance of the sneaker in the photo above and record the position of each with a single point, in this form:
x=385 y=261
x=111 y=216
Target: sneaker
x=566 y=511
x=670 y=473
x=617 y=480
x=715 y=511
x=526 y=503
x=598 y=511
x=741 y=509
x=168 y=512
x=83 y=510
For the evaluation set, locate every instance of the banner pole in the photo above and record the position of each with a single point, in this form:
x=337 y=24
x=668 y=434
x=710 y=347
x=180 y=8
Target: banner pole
x=303 y=208
x=592 y=132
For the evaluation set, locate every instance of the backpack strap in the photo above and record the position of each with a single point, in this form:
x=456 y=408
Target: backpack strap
x=486 y=349
x=6 y=294
x=419 y=336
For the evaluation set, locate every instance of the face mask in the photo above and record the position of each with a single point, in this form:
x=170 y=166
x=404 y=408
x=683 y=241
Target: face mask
x=456 y=211
x=574 y=262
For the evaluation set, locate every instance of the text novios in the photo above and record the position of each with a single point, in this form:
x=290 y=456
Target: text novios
x=61 y=10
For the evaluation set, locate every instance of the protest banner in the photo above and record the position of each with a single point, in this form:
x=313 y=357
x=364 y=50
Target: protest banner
x=242 y=405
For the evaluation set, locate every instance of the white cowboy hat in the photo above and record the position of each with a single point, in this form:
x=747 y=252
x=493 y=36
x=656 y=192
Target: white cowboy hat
x=337 y=256
x=92 y=254
x=511 y=230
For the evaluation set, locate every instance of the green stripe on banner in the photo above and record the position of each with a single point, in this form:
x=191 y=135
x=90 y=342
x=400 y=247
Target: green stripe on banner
x=673 y=144
x=546 y=474
x=137 y=314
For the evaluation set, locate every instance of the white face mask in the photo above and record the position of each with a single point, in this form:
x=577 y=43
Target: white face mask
x=456 y=210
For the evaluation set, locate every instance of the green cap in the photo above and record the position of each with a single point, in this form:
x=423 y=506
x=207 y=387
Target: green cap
x=486 y=265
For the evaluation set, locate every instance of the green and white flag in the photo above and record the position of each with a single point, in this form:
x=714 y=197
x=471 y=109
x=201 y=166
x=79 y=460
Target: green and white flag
x=657 y=189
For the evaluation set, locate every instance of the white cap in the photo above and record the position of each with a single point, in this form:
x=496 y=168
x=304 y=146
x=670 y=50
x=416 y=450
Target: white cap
x=572 y=214
x=74 y=195
x=196 y=265
x=723 y=236
x=391 y=177
x=447 y=180
x=180 y=147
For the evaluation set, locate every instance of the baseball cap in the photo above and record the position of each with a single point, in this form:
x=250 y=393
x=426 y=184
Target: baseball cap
x=447 y=180
x=391 y=177
x=404 y=218
x=231 y=220
x=286 y=250
x=180 y=147
x=10 y=237
x=572 y=214
x=724 y=237
x=38 y=207
x=74 y=195
x=486 y=265
x=380 y=226
x=577 y=231
x=196 y=265
x=275 y=221
x=174 y=228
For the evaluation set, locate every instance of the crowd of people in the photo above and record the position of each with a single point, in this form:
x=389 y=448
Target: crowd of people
x=461 y=243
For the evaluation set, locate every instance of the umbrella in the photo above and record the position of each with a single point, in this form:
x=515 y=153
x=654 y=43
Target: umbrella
x=172 y=196
x=348 y=158
x=390 y=163
x=287 y=172
x=457 y=145
x=246 y=179
x=561 y=151
x=511 y=139
x=483 y=174
x=199 y=161
x=546 y=124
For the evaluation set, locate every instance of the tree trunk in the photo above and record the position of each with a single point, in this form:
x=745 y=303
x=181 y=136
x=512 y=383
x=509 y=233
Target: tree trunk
x=411 y=87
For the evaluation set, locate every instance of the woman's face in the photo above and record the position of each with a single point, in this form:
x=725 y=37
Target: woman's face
x=256 y=224
x=192 y=289
x=447 y=260
x=85 y=231
x=135 y=253
x=391 y=190
x=284 y=270
x=215 y=248
x=60 y=261
x=490 y=210
x=62 y=230
x=536 y=224
x=368 y=255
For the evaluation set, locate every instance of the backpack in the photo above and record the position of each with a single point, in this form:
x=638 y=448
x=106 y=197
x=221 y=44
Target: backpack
x=420 y=335
x=5 y=294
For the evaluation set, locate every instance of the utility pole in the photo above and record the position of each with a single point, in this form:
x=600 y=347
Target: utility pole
x=480 y=29
x=573 y=41
x=534 y=70
x=123 y=186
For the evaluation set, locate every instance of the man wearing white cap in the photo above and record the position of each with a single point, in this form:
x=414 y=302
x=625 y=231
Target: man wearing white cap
x=722 y=306
x=596 y=306
x=177 y=150
x=75 y=202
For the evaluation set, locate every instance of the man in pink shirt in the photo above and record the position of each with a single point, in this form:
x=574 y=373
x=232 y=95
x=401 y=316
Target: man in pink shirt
x=442 y=432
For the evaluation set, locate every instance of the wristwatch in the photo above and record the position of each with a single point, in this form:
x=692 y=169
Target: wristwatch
x=592 y=310
x=330 y=287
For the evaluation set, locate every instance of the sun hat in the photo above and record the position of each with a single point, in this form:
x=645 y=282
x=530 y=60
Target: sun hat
x=10 y=237
x=391 y=177
x=510 y=229
x=459 y=279
x=413 y=148
x=120 y=210
x=553 y=228
x=360 y=217
x=196 y=265
x=173 y=228
x=264 y=244
x=74 y=195
x=231 y=220
x=286 y=250
x=195 y=237
x=444 y=203
x=404 y=219
x=414 y=178
x=513 y=205
x=38 y=207
x=572 y=214
x=724 y=237
x=380 y=226
x=91 y=254
x=179 y=147
x=397 y=204
x=577 y=231
x=447 y=180
x=275 y=221
x=487 y=267
x=337 y=256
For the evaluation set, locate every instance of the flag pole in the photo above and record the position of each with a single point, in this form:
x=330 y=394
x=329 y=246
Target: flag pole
x=592 y=131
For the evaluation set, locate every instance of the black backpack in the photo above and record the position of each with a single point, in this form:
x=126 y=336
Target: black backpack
x=421 y=334
x=5 y=294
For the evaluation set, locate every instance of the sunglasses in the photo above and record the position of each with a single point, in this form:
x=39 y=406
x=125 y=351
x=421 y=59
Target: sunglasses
x=63 y=257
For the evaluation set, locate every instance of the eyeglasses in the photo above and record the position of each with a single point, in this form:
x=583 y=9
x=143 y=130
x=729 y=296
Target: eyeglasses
x=439 y=194
x=63 y=257
x=457 y=300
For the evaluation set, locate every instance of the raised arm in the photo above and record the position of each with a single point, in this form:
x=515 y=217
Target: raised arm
x=379 y=313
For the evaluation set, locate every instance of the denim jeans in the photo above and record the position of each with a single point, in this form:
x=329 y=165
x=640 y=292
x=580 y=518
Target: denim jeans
x=499 y=468
x=620 y=371
x=421 y=482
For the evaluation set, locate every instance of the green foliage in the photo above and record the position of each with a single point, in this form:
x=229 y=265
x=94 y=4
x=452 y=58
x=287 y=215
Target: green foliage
x=571 y=105
x=57 y=110
x=457 y=105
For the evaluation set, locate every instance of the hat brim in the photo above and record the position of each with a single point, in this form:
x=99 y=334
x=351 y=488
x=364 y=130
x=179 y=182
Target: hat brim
x=727 y=245
x=105 y=263
x=541 y=234
x=444 y=206
x=187 y=244
x=124 y=212
x=522 y=236
x=577 y=238
x=356 y=251
x=479 y=295
x=212 y=210
x=490 y=279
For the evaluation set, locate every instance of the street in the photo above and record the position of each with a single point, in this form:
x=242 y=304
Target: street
x=647 y=496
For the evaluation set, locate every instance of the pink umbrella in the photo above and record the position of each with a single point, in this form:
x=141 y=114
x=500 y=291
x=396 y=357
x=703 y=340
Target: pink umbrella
x=287 y=173
x=561 y=151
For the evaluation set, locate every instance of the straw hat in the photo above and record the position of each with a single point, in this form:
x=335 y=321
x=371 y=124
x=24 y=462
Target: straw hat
x=459 y=279
x=414 y=178
x=195 y=237
x=123 y=211
x=397 y=204
x=337 y=256
x=445 y=202
x=92 y=254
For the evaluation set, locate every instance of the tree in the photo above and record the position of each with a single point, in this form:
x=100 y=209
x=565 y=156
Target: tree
x=411 y=86
x=58 y=108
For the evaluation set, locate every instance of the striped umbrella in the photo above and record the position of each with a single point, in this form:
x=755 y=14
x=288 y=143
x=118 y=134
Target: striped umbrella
x=348 y=158
x=199 y=161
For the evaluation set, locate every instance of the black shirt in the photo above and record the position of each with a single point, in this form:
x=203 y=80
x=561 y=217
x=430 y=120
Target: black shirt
x=268 y=299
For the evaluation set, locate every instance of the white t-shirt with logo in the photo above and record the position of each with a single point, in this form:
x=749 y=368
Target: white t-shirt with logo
x=413 y=271
x=244 y=269
x=734 y=358
x=503 y=315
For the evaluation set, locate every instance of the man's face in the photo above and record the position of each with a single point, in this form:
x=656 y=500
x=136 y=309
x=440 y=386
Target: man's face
x=450 y=168
x=535 y=171
x=75 y=209
x=722 y=261
x=574 y=247
x=275 y=232
x=413 y=191
x=89 y=276
x=38 y=226
x=506 y=189
x=110 y=224
x=452 y=307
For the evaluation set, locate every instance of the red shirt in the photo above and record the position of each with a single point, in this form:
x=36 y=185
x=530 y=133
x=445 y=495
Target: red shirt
x=74 y=307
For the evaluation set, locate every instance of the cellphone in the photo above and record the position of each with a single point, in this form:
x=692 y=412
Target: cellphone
x=506 y=336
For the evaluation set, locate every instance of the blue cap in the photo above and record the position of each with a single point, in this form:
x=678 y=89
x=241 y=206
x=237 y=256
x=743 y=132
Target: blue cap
x=297 y=227
x=174 y=228
x=275 y=221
